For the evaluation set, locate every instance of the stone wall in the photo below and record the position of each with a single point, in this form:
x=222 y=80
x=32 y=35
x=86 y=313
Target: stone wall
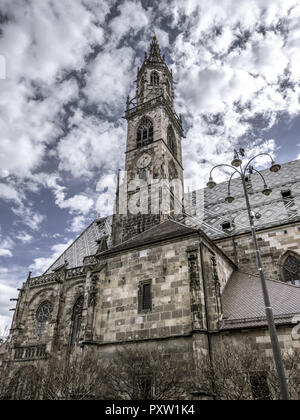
x=273 y=243
x=32 y=340
x=168 y=268
x=258 y=339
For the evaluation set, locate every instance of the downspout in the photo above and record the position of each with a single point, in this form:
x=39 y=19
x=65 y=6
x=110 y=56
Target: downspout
x=208 y=332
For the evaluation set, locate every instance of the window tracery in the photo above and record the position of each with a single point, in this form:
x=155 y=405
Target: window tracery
x=77 y=319
x=291 y=270
x=43 y=313
x=154 y=78
x=144 y=133
x=172 y=140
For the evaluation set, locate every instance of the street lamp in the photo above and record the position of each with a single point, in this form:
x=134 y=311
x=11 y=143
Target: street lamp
x=236 y=166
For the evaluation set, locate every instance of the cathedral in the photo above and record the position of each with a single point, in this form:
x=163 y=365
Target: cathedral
x=167 y=268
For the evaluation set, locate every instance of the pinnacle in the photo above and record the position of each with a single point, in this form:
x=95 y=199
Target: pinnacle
x=155 y=50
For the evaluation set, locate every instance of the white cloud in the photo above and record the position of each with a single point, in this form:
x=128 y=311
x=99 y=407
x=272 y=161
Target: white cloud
x=234 y=63
x=109 y=78
x=79 y=203
x=5 y=253
x=92 y=145
x=24 y=237
x=41 y=42
x=78 y=224
x=6 y=245
x=40 y=265
x=132 y=16
x=8 y=192
x=10 y=279
x=6 y=293
x=23 y=208
x=28 y=216
x=106 y=187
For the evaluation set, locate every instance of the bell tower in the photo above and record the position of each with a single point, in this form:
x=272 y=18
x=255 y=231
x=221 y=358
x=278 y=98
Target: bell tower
x=153 y=184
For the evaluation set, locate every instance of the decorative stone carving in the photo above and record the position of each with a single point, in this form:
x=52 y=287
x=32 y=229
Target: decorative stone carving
x=41 y=280
x=43 y=313
x=217 y=286
x=75 y=272
x=92 y=297
x=196 y=305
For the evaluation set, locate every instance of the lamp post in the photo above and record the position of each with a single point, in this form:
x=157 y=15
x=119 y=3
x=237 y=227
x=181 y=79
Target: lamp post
x=236 y=166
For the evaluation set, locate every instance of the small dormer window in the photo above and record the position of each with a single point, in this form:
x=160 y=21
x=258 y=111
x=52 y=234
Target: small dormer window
x=286 y=194
x=227 y=227
x=154 y=78
x=289 y=203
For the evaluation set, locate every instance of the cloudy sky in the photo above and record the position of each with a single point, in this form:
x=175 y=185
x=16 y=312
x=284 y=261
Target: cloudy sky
x=66 y=67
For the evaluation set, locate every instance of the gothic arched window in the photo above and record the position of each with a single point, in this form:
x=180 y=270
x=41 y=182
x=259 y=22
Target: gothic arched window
x=43 y=313
x=144 y=133
x=25 y=385
x=173 y=173
x=291 y=270
x=154 y=78
x=172 y=140
x=77 y=318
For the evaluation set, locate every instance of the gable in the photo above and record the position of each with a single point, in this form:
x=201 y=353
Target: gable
x=86 y=244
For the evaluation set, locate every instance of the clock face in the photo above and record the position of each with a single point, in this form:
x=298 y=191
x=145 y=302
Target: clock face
x=143 y=161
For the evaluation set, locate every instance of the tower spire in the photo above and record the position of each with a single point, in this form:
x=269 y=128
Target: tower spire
x=155 y=51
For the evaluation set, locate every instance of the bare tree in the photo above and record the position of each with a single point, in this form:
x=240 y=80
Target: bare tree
x=137 y=373
x=23 y=385
x=291 y=359
x=77 y=379
x=244 y=373
x=81 y=378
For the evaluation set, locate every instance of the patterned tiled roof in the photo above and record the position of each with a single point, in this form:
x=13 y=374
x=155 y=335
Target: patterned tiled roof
x=243 y=304
x=166 y=230
x=274 y=210
x=84 y=245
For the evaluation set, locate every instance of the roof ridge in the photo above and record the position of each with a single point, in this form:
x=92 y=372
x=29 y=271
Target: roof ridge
x=270 y=280
x=94 y=221
x=146 y=231
x=262 y=318
x=183 y=225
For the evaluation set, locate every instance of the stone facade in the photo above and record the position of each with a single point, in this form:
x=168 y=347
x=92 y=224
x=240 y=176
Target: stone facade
x=89 y=300
x=275 y=245
x=159 y=145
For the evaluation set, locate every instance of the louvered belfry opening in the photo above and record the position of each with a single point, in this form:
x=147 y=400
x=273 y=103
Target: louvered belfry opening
x=144 y=133
x=154 y=79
